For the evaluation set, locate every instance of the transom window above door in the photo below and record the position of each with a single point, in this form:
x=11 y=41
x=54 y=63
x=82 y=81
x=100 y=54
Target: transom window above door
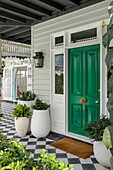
x=86 y=35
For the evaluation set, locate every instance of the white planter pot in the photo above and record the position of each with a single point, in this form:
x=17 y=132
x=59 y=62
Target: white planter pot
x=21 y=125
x=28 y=104
x=40 y=123
x=102 y=154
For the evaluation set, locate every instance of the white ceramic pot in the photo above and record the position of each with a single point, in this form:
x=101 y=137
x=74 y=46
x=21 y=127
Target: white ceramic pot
x=28 y=104
x=40 y=123
x=21 y=125
x=102 y=154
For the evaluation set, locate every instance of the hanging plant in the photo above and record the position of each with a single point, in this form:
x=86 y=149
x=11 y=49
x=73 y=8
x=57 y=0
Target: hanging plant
x=107 y=37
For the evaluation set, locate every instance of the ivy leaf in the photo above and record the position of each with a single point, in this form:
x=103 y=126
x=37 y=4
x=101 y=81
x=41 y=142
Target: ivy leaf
x=111 y=115
x=111 y=161
x=109 y=58
x=110 y=9
x=107 y=37
x=111 y=22
x=110 y=84
x=103 y=25
x=107 y=137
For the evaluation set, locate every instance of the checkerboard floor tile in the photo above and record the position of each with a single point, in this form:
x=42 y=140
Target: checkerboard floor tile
x=34 y=145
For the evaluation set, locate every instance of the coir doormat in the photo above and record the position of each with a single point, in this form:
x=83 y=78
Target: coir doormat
x=74 y=147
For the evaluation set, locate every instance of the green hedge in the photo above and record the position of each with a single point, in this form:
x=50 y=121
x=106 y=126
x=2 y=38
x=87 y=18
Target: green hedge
x=14 y=157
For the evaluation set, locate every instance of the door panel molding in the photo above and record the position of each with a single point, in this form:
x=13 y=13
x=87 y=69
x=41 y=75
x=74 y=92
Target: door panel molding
x=83 y=74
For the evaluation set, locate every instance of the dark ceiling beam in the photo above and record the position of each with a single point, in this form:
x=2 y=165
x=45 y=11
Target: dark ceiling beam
x=77 y=2
x=13 y=24
x=53 y=4
x=27 y=38
x=12 y=17
x=19 y=11
x=14 y=40
x=2 y=20
x=6 y=29
x=22 y=35
x=16 y=31
x=33 y=6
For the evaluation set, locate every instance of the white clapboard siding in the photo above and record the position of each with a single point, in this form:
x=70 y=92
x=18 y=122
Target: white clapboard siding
x=41 y=40
x=42 y=92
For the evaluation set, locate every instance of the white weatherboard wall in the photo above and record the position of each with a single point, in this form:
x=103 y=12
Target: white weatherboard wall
x=41 y=43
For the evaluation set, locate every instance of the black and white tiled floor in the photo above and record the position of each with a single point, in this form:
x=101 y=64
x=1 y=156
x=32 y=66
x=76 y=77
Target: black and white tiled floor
x=35 y=145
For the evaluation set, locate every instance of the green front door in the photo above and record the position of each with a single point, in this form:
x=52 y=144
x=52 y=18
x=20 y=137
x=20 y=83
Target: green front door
x=83 y=87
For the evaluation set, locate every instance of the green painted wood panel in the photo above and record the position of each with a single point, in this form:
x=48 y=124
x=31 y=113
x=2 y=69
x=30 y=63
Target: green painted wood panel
x=83 y=82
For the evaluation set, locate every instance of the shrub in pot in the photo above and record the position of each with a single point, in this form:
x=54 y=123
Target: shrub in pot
x=95 y=130
x=27 y=98
x=40 y=122
x=21 y=114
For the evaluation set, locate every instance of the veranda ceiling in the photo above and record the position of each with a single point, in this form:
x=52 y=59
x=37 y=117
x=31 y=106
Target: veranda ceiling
x=17 y=16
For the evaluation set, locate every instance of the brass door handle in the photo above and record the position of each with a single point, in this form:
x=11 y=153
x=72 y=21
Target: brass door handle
x=82 y=100
x=96 y=102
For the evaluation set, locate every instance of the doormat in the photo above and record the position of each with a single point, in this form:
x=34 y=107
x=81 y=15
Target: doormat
x=74 y=147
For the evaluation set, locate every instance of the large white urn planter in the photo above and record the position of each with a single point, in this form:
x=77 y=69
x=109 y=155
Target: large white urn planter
x=102 y=154
x=40 y=123
x=28 y=104
x=21 y=125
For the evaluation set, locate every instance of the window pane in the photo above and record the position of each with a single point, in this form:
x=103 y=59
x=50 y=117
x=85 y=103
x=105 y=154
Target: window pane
x=84 y=35
x=59 y=74
x=59 y=41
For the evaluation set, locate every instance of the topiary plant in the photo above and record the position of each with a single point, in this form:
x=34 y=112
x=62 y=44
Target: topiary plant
x=21 y=111
x=27 y=96
x=39 y=105
x=108 y=36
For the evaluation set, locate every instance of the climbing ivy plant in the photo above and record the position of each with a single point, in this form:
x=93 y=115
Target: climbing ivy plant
x=107 y=37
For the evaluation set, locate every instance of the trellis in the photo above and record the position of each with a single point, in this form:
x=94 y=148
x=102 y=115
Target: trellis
x=10 y=48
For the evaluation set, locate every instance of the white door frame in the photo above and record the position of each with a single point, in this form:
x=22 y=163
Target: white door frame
x=103 y=79
x=103 y=70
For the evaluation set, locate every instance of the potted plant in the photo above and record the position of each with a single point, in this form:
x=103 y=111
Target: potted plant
x=95 y=130
x=40 y=122
x=21 y=114
x=27 y=98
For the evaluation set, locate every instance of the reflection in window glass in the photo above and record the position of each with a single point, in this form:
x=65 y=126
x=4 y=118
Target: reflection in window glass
x=59 y=74
x=84 y=35
x=59 y=41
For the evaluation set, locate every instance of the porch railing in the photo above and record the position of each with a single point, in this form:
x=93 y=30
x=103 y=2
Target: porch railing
x=10 y=48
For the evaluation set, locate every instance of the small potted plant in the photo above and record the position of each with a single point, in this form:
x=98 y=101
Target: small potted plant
x=40 y=122
x=95 y=130
x=21 y=114
x=27 y=98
